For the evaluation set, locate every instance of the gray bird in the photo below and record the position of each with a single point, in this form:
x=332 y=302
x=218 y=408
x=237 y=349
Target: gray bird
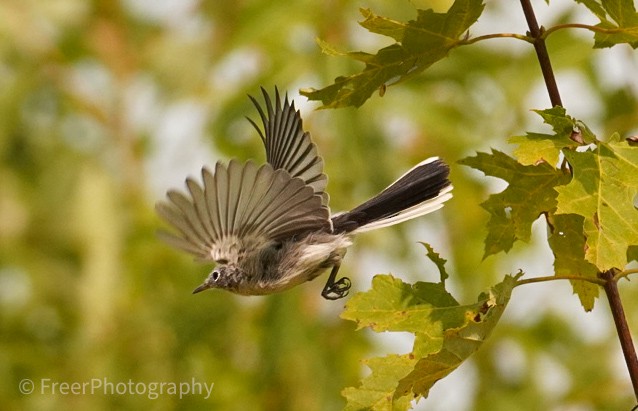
x=268 y=228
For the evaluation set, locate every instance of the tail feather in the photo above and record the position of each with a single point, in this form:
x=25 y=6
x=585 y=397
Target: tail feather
x=421 y=190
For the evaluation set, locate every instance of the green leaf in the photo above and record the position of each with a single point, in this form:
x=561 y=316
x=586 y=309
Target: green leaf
x=530 y=192
x=437 y=260
x=534 y=148
x=623 y=28
x=446 y=334
x=459 y=343
x=595 y=7
x=377 y=390
x=393 y=305
x=419 y=44
x=602 y=190
x=567 y=242
x=329 y=49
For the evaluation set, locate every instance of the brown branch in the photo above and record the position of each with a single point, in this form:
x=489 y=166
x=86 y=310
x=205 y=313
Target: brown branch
x=541 y=52
x=608 y=280
x=624 y=335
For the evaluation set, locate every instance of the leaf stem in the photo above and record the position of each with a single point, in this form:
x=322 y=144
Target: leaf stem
x=624 y=335
x=541 y=52
x=598 y=281
x=579 y=26
x=497 y=36
x=625 y=273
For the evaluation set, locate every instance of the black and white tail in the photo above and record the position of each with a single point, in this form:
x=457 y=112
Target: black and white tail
x=421 y=190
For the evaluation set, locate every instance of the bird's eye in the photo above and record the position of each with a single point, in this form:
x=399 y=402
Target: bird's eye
x=215 y=275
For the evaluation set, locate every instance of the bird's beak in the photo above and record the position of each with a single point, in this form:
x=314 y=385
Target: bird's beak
x=201 y=288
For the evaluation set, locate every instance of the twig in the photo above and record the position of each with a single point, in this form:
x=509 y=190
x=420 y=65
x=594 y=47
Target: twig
x=624 y=335
x=608 y=280
x=625 y=273
x=473 y=40
x=597 y=281
x=541 y=52
x=580 y=26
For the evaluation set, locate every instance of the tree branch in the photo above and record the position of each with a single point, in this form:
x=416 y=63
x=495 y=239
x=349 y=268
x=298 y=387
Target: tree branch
x=608 y=280
x=541 y=52
x=624 y=335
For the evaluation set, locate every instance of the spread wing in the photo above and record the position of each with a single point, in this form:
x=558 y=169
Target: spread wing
x=287 y=145
x=240 y=207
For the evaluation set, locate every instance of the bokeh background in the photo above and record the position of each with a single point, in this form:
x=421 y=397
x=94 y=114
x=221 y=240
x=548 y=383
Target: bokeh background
x=104 y=105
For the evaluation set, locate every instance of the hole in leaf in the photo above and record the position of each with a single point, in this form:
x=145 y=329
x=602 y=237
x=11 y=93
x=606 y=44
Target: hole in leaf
x=508 y=212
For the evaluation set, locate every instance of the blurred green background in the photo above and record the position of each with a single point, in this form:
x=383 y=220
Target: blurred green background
x=104 y=105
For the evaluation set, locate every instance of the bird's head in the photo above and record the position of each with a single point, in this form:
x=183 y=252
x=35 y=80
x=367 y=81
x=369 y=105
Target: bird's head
x=227 y=277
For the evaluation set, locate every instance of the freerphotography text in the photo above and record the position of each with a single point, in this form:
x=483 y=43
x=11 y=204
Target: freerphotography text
x=104 y=386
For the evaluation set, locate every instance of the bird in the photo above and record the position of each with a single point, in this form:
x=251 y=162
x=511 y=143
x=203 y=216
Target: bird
x=268 y=228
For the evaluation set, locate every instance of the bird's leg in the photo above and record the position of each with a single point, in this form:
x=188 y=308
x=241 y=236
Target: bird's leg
x=336 y=289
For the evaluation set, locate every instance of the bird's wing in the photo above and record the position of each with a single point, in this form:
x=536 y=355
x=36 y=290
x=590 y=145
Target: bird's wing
x=287 y=145
x=240 y=207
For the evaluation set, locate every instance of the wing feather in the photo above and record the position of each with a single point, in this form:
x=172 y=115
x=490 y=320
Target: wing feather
x=287 y=146
x=199 y=202
x=174 y=216
x=239 y=207
x=189 y=213
x=221 y=188
x=235 y=176
x=257 y=188
x=210 y=192
x=247 y=201
x=183 y=244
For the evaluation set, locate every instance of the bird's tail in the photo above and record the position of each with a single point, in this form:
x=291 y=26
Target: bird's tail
x=421 y=190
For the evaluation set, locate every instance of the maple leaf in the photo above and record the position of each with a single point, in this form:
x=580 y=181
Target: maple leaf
x=419 y=44
x=534 y=148
x=437 y=260
x=602 y=190
x=446 y=334
x=618 y=18
x=376 y=391
x=567 y=242
x=530 y=192
x=398 y=306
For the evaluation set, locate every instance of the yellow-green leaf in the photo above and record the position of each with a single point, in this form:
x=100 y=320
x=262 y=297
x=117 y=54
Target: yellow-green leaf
x=392 y=305
x=512 y=211
x=567 y=242
x=377 y=390
x=446 y=334
x=437 y=260
x=534 y=148
x=618 y=17
x=602 y=190
x=419 y=44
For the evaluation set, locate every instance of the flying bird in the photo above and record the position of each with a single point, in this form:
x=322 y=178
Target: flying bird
x=268 y=228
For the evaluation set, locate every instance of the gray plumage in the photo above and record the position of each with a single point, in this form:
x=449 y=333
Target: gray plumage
x=269 y=228
x=287 y=146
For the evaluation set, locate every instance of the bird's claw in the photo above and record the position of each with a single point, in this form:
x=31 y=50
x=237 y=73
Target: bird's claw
x=336 y=290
